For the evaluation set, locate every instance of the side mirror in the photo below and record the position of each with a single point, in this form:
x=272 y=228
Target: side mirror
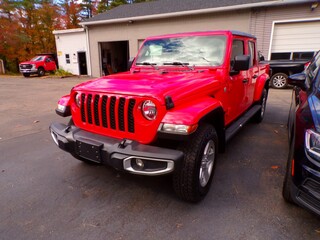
x=241 y=63
x=261 y=57
x=298 y=80
x=130 y=61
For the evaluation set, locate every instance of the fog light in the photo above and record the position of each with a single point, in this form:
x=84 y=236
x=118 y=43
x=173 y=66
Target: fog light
x=139 y=163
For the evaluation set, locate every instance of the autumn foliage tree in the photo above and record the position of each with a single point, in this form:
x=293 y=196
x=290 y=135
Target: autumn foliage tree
x=26 y=25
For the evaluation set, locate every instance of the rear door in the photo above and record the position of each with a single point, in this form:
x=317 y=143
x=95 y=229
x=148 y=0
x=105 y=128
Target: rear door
x=252 y=73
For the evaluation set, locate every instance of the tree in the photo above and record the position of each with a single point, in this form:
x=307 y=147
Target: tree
x=70 y=11
x=103 y=6
x=26 y=25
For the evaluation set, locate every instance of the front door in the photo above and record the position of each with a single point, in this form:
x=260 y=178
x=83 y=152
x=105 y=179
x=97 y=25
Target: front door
x=82 y=63
x=236 y=85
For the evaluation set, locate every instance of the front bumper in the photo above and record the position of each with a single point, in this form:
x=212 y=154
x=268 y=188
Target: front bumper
x=125 y=155
x=28 y=70
x=306 y=185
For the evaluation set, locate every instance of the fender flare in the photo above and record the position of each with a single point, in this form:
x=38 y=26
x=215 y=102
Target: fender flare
x=206 y=109
x=65 y=100
x=262 y=82
x=65 y=111
x=192 y=112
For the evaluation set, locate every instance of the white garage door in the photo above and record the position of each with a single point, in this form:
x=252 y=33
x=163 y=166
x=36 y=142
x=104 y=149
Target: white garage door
x=296 y=37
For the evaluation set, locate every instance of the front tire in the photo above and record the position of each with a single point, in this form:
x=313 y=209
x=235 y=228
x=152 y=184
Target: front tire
x=279 y=81
x=192 y=182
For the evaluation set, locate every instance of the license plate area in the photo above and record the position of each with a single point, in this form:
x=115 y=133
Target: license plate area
x=89 y=150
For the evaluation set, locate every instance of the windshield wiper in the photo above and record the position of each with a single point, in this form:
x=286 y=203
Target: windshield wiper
x=178 y=63
x=147 y=64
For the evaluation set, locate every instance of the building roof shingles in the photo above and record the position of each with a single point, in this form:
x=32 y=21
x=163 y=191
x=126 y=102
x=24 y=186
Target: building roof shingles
x=165 y=6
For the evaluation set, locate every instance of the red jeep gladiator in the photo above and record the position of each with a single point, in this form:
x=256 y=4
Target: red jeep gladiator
x=40 y=64
x=184 y=97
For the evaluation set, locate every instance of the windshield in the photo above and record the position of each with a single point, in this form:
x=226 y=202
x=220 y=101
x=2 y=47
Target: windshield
x=37 y=58
x=192 y=51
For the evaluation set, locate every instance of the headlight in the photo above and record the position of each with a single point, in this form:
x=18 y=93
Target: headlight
x=77 y=99
x=177 y=128
x=312 y=142
x=149 y=110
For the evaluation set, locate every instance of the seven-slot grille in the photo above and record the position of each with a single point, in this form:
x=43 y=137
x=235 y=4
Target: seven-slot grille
x=108 y=111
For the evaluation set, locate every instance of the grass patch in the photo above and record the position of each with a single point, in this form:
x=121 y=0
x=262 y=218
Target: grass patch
x=62 y=73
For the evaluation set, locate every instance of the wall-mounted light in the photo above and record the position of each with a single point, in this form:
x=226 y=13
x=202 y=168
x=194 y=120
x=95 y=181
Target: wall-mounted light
x=314 y=6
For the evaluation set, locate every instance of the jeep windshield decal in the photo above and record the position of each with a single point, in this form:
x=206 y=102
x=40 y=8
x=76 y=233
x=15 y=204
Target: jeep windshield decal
x=184 y=51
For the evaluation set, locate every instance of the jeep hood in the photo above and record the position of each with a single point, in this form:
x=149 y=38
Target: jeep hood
x=178 y=85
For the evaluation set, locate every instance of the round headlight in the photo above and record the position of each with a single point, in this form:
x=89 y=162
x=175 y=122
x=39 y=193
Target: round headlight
x=149 y=110
x=77 y=99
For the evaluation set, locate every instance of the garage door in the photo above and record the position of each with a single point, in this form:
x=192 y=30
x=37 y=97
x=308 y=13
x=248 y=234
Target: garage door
x=296 y=37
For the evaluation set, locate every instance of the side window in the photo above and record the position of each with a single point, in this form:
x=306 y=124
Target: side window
x=237 y=49
x=252 y=54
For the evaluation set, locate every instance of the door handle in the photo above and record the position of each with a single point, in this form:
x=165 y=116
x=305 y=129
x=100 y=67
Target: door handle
x=245 y=80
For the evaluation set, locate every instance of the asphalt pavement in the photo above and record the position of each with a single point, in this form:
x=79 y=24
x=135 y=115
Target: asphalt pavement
x=47 y=194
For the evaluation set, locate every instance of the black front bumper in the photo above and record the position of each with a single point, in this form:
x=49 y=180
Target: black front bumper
x=126 y=155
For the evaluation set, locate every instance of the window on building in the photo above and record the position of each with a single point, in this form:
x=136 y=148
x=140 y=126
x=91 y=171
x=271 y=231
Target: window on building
x=67 y=58
x=302 y=55
x=281 y=56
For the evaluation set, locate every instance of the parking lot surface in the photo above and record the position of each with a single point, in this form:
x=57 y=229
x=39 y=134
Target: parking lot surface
x=47 y=194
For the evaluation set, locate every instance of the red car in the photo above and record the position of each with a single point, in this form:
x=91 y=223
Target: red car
x=40 y=64
x=184 y=97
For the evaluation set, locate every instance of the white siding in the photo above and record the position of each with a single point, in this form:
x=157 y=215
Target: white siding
x=71 y=43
